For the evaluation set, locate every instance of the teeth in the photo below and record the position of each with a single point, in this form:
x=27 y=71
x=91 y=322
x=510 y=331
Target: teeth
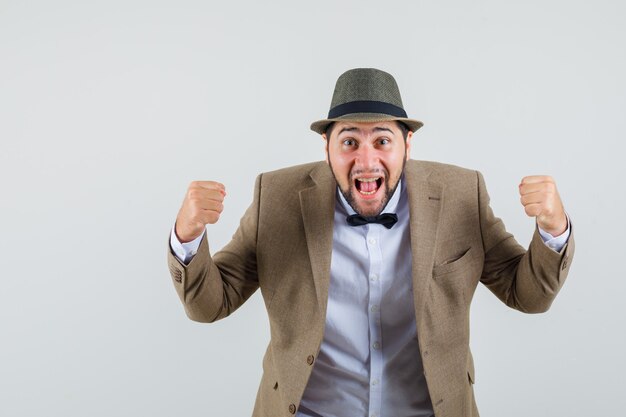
x=371 y=185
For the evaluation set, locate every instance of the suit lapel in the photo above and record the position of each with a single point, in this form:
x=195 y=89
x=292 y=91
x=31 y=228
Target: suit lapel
x=318 y=206
x=425 y=202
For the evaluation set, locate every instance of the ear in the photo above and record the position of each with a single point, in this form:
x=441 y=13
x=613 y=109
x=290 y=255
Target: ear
x=325 y=146
x=409 y=136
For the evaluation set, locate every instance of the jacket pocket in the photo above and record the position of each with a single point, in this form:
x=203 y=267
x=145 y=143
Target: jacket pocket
x=453 y=264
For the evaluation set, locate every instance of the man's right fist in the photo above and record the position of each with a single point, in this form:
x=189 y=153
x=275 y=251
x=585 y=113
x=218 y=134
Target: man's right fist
x=202 y=205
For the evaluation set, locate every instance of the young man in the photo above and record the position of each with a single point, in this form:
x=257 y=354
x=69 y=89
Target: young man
x=367 y=264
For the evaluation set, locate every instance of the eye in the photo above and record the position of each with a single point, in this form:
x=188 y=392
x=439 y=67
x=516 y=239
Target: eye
x=384 y=141
x=349 y=142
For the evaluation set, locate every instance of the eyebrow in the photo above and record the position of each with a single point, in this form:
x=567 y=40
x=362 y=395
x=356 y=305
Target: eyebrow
x=347 y=129
x=376 y=129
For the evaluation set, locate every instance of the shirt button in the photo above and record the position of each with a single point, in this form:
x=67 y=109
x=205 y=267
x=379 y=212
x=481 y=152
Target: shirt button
x=371 y=241
x=373 y=277
x=376 y=345
x=374 y=309
x=375 y=382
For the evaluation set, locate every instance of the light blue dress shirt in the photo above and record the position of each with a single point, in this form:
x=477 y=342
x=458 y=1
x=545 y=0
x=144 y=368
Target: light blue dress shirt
x=369 y=362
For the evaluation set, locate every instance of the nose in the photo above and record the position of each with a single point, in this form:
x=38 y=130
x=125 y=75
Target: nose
x=366 y=158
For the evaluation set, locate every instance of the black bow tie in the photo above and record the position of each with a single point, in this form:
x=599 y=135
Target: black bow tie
x=386 y=219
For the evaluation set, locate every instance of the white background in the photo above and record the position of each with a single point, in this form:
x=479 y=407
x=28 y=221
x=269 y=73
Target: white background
x=108 y=109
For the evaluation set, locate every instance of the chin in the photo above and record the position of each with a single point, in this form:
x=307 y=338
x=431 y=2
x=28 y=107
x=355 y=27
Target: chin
x=370 y=211
x=366 y=205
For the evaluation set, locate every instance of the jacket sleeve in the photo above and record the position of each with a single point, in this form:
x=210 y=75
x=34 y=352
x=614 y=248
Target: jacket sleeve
x=212 y=287
x=526 y=280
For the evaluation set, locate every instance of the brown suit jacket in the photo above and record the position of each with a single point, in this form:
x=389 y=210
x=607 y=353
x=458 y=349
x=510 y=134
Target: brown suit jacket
x=283 y=246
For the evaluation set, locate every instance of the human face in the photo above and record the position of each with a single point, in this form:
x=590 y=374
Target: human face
x=367 y=160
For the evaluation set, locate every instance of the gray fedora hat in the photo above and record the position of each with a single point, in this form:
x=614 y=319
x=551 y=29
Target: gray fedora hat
x=366 y=95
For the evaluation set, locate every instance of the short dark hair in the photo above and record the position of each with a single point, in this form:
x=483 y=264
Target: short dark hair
x=403 y=128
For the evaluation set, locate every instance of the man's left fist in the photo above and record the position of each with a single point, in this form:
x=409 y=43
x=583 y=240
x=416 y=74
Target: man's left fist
x=540 y=198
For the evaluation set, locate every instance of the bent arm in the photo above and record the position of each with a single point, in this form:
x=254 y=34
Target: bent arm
x=526 y=280
x=213 y=287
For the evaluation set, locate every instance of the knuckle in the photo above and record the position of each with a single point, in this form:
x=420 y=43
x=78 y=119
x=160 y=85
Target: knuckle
x=195 y=194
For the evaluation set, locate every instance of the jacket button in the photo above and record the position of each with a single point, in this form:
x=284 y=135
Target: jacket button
x=564 y=264
x=310 y=359
x=292 y=408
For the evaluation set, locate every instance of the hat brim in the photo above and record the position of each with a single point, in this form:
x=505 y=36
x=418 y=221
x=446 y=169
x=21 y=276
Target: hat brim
x=321 y=125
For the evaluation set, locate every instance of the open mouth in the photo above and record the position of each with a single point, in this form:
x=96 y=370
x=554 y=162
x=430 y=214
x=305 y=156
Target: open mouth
x=368 y=186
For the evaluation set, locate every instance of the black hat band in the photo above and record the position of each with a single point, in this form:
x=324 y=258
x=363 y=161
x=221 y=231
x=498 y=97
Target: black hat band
x=366 y=106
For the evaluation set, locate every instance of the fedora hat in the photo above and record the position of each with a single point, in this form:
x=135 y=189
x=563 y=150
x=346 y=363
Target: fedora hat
x=366 y=95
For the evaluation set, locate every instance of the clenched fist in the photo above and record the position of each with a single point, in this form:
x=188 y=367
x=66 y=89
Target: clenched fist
x=202 y=205
x=541 y=200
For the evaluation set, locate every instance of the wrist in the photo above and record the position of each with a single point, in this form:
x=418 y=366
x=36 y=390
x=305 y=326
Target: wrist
x=184 y=236
x=554 y=229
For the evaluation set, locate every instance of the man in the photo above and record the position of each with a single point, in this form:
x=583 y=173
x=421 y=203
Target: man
x=367 y=264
